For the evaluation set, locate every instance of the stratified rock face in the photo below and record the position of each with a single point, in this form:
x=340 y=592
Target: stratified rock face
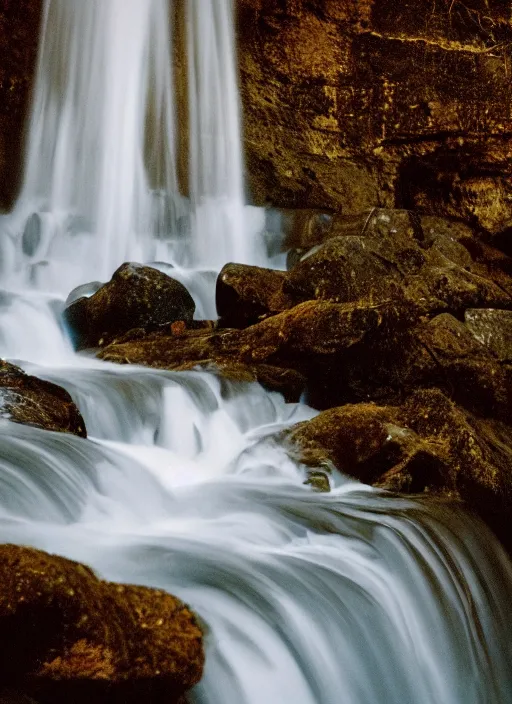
x=68 y=637
x=136 y=297
x=32 y=401
x=379 y=103
x=19 y=36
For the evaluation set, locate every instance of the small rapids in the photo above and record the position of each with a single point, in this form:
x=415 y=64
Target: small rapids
x=354 y=596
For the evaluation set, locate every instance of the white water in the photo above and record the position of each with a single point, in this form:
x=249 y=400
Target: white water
x=101 y=182
x=98 y=97
x=216 y=168
x=355 y=596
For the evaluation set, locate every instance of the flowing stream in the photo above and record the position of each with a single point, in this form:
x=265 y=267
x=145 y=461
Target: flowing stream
x=351 y=597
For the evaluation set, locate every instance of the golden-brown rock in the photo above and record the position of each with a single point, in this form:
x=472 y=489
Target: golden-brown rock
x=245 y=294
x=136 y=297
x=68 y=637
x=379 y=103
x=426 y=444
x=183 y=350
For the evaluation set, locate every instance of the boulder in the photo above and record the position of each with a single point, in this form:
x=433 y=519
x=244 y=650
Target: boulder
x=427 y=444
x=311 y=332
x=32 y=401
x=352 y=268
x=437 y=263
x=440 y=352
x=311 y=329
x=136 y=297
x=246 y=294
x=379 y=223
x=306 y=341
x=68 y=637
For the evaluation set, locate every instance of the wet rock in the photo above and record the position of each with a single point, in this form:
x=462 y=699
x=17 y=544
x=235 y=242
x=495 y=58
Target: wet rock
x=304 y=338
x=492 y=328
x=66 y=636
x=311 y=339
x=379 y=223
x=395 y=257
x=182 y=349
x=309 y=333
x=441 y=352
x=136 y=297
x=246 y=294
x=346 y=269
x=427 y=444
x=355 y=438
x=32 y=401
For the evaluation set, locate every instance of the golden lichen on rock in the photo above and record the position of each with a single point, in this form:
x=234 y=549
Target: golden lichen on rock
x=69 y=636
x=360 y=104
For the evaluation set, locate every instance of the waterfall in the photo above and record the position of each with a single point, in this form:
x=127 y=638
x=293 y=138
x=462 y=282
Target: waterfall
x=221 y=227
x=99 y=100
x=101 y=167
x=354 y=596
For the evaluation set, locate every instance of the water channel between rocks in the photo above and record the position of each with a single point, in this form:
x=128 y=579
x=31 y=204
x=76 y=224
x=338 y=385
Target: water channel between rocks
x=352 y=596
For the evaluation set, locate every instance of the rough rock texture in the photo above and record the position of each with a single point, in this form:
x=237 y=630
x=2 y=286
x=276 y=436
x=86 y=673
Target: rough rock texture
x=32 y=401
x=427 y=444
x=493 y=328
x=181 y=349
x=245 y=294
x=136 y=297
x=368 y=316
x=19 y=32
x=380 y=103
x=66 y=636
x=307 y=331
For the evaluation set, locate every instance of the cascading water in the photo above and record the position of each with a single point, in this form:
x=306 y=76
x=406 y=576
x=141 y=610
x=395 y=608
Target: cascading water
x=101 y=174
x=216 y=169
x=97 y=97
x=353 y=596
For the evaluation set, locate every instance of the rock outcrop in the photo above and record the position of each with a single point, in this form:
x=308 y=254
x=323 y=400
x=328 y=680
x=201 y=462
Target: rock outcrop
x=379 y=103
x=136 y=297
x=68 y=637
x=32 y=401
x=427 y=444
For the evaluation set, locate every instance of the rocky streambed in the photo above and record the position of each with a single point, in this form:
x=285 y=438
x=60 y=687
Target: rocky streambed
x=395 y=325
